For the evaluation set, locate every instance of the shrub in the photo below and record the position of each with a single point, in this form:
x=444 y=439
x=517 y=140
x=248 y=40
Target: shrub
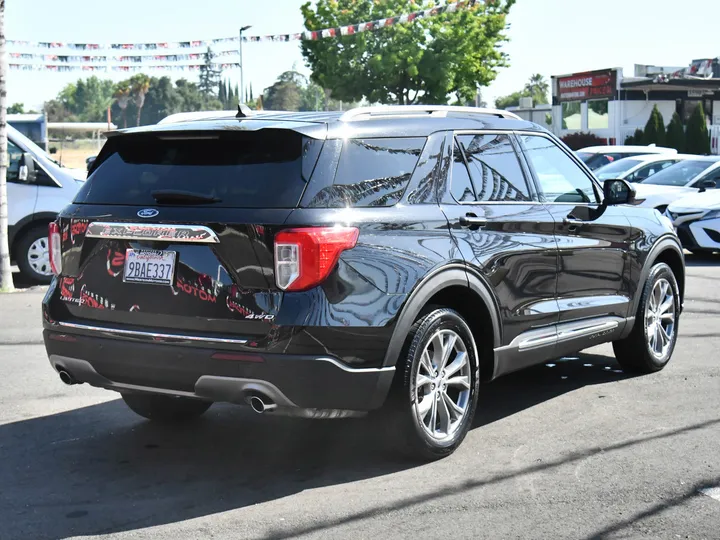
x=637 y=138
x=676 y=134
x=655 y=128
x=576 y=141
x=697 y=139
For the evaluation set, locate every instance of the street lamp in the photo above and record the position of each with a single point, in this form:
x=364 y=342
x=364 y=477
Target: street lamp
x=241 y=98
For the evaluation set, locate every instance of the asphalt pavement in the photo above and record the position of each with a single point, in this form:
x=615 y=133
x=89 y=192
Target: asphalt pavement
x=574 y=449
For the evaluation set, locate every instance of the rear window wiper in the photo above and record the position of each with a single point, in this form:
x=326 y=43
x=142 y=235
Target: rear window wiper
x=170 y=196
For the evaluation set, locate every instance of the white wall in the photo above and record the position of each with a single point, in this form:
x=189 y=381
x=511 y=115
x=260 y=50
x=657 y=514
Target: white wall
x=716 y=113
x=637 y=113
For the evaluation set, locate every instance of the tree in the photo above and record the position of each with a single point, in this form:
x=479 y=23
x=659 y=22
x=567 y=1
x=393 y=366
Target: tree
x=140 y=84
x=122 y=96
x=419 y=62
x=209 y=75
x=636 y=138
x=222 y=94
x=697 y=138
x=655 y=128
x=511 y=100
x=537 y=88
x=675 y=134
x=16 y=108
x=6 y=279
x=286 y=94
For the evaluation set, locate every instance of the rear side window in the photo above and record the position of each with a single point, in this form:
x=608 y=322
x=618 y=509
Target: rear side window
x=494 y=168
x=262 y=169
x=371 y=172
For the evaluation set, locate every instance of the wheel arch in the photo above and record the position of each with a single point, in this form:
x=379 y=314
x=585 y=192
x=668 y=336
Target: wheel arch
x=24 y=225
x=456 y=288
x=668 y=251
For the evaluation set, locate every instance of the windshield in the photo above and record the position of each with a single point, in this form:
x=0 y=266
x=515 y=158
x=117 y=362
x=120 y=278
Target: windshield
x=616 y=169
x=679 y=174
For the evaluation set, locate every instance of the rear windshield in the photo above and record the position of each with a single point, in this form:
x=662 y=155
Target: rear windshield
x=261 y=169
x=679 y=174
x=616 y=168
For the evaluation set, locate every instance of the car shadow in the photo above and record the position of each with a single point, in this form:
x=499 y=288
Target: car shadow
x=100 y=469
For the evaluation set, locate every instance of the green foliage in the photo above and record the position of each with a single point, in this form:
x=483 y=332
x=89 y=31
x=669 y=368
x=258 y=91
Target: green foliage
x=697 y=138
x=423 y=61
x=209 y=76
x=675 y=137
x=84 y=101
x=286 y=93
x=655 y=128
x=636 y=138
x=16 y=108
x=538 y=89
x=511 y=100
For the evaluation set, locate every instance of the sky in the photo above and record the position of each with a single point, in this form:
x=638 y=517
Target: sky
x=551 y=37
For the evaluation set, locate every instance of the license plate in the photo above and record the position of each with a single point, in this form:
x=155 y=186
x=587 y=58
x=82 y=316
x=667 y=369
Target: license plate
x=149 y=266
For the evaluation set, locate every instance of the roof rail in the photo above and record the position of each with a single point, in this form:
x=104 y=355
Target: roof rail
x=415 y=110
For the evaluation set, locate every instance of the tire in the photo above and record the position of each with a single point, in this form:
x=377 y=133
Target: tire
x=27 y=251
x=408 y=422
x=642 y=351
x=165 y=408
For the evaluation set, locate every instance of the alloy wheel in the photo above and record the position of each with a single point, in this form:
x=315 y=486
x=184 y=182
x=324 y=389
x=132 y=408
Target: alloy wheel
x=660 y=318
x=442 y=385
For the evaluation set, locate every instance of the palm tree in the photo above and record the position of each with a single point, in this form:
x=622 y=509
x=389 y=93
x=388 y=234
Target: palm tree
x=538 y=88
x=122 y=96
x=6 y=280
x=140 y=86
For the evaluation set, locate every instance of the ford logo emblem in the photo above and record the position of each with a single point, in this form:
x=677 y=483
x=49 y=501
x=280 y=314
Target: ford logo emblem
x=148 y=213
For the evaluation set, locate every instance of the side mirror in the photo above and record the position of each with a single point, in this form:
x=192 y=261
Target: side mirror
x=618 y=192
x=26 y=173
x=708 y=183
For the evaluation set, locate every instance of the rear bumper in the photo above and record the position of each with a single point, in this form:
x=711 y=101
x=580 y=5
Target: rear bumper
x=302 y=385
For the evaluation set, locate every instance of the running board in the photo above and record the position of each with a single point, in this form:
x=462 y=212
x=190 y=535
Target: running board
x=535 y=346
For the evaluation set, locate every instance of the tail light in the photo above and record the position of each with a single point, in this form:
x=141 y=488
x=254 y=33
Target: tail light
x=305 y=257
x=54 y=248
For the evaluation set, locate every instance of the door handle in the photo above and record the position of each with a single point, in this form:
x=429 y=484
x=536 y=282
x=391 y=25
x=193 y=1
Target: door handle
x=471 y=220
x=573 y=221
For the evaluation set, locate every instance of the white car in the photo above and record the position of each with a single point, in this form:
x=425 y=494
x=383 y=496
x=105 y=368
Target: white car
x=597 y=156
x=684 y=178
x=638 y=168
x=37 y=188
x=697 y=221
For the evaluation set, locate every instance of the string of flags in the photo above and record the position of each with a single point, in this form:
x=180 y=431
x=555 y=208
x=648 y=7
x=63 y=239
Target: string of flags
x=93 y=49
x=102 y=59
x=87 y=67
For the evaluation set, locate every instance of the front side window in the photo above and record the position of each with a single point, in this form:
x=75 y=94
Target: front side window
x=494 y=168
x=561 y=179
x=648 y=170
x=15 y=156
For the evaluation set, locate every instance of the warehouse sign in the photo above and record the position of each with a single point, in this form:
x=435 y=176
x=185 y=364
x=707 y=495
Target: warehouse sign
x=591 y=85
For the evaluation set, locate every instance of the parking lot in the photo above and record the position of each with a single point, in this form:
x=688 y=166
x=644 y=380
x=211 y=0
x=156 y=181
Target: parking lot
x=571 y=449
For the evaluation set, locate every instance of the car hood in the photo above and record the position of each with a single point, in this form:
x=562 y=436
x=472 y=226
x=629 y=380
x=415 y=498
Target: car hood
x=708 y=200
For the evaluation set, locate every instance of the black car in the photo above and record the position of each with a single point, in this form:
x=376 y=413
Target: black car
x=326 y=265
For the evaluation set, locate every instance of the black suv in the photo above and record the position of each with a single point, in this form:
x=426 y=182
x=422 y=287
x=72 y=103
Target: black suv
x=329 y=264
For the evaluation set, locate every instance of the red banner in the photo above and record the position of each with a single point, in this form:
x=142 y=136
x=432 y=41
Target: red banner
x=583 y=86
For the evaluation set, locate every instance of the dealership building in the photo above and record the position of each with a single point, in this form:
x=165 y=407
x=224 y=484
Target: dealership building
x=612 y=105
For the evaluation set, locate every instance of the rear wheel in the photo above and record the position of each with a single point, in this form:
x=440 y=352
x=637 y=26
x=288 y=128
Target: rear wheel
x=432 y=405
x=650 y=345
x=165 y=408
x=33 y=256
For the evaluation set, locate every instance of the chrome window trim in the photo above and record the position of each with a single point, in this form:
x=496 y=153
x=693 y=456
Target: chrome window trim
x=594 y=181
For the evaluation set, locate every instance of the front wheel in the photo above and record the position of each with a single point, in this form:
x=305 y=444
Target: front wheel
x=33 y=256
x=165 y=408
x=650 y=345
x=433 y=401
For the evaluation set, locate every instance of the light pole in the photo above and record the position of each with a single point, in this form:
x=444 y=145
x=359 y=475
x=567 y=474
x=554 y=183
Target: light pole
x=241 y=97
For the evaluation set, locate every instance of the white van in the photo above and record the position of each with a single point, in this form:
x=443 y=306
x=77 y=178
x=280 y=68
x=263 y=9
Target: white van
x=38 y=188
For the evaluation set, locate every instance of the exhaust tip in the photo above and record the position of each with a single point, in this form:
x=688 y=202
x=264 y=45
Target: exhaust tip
x=66 y=377
x=257 y=404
